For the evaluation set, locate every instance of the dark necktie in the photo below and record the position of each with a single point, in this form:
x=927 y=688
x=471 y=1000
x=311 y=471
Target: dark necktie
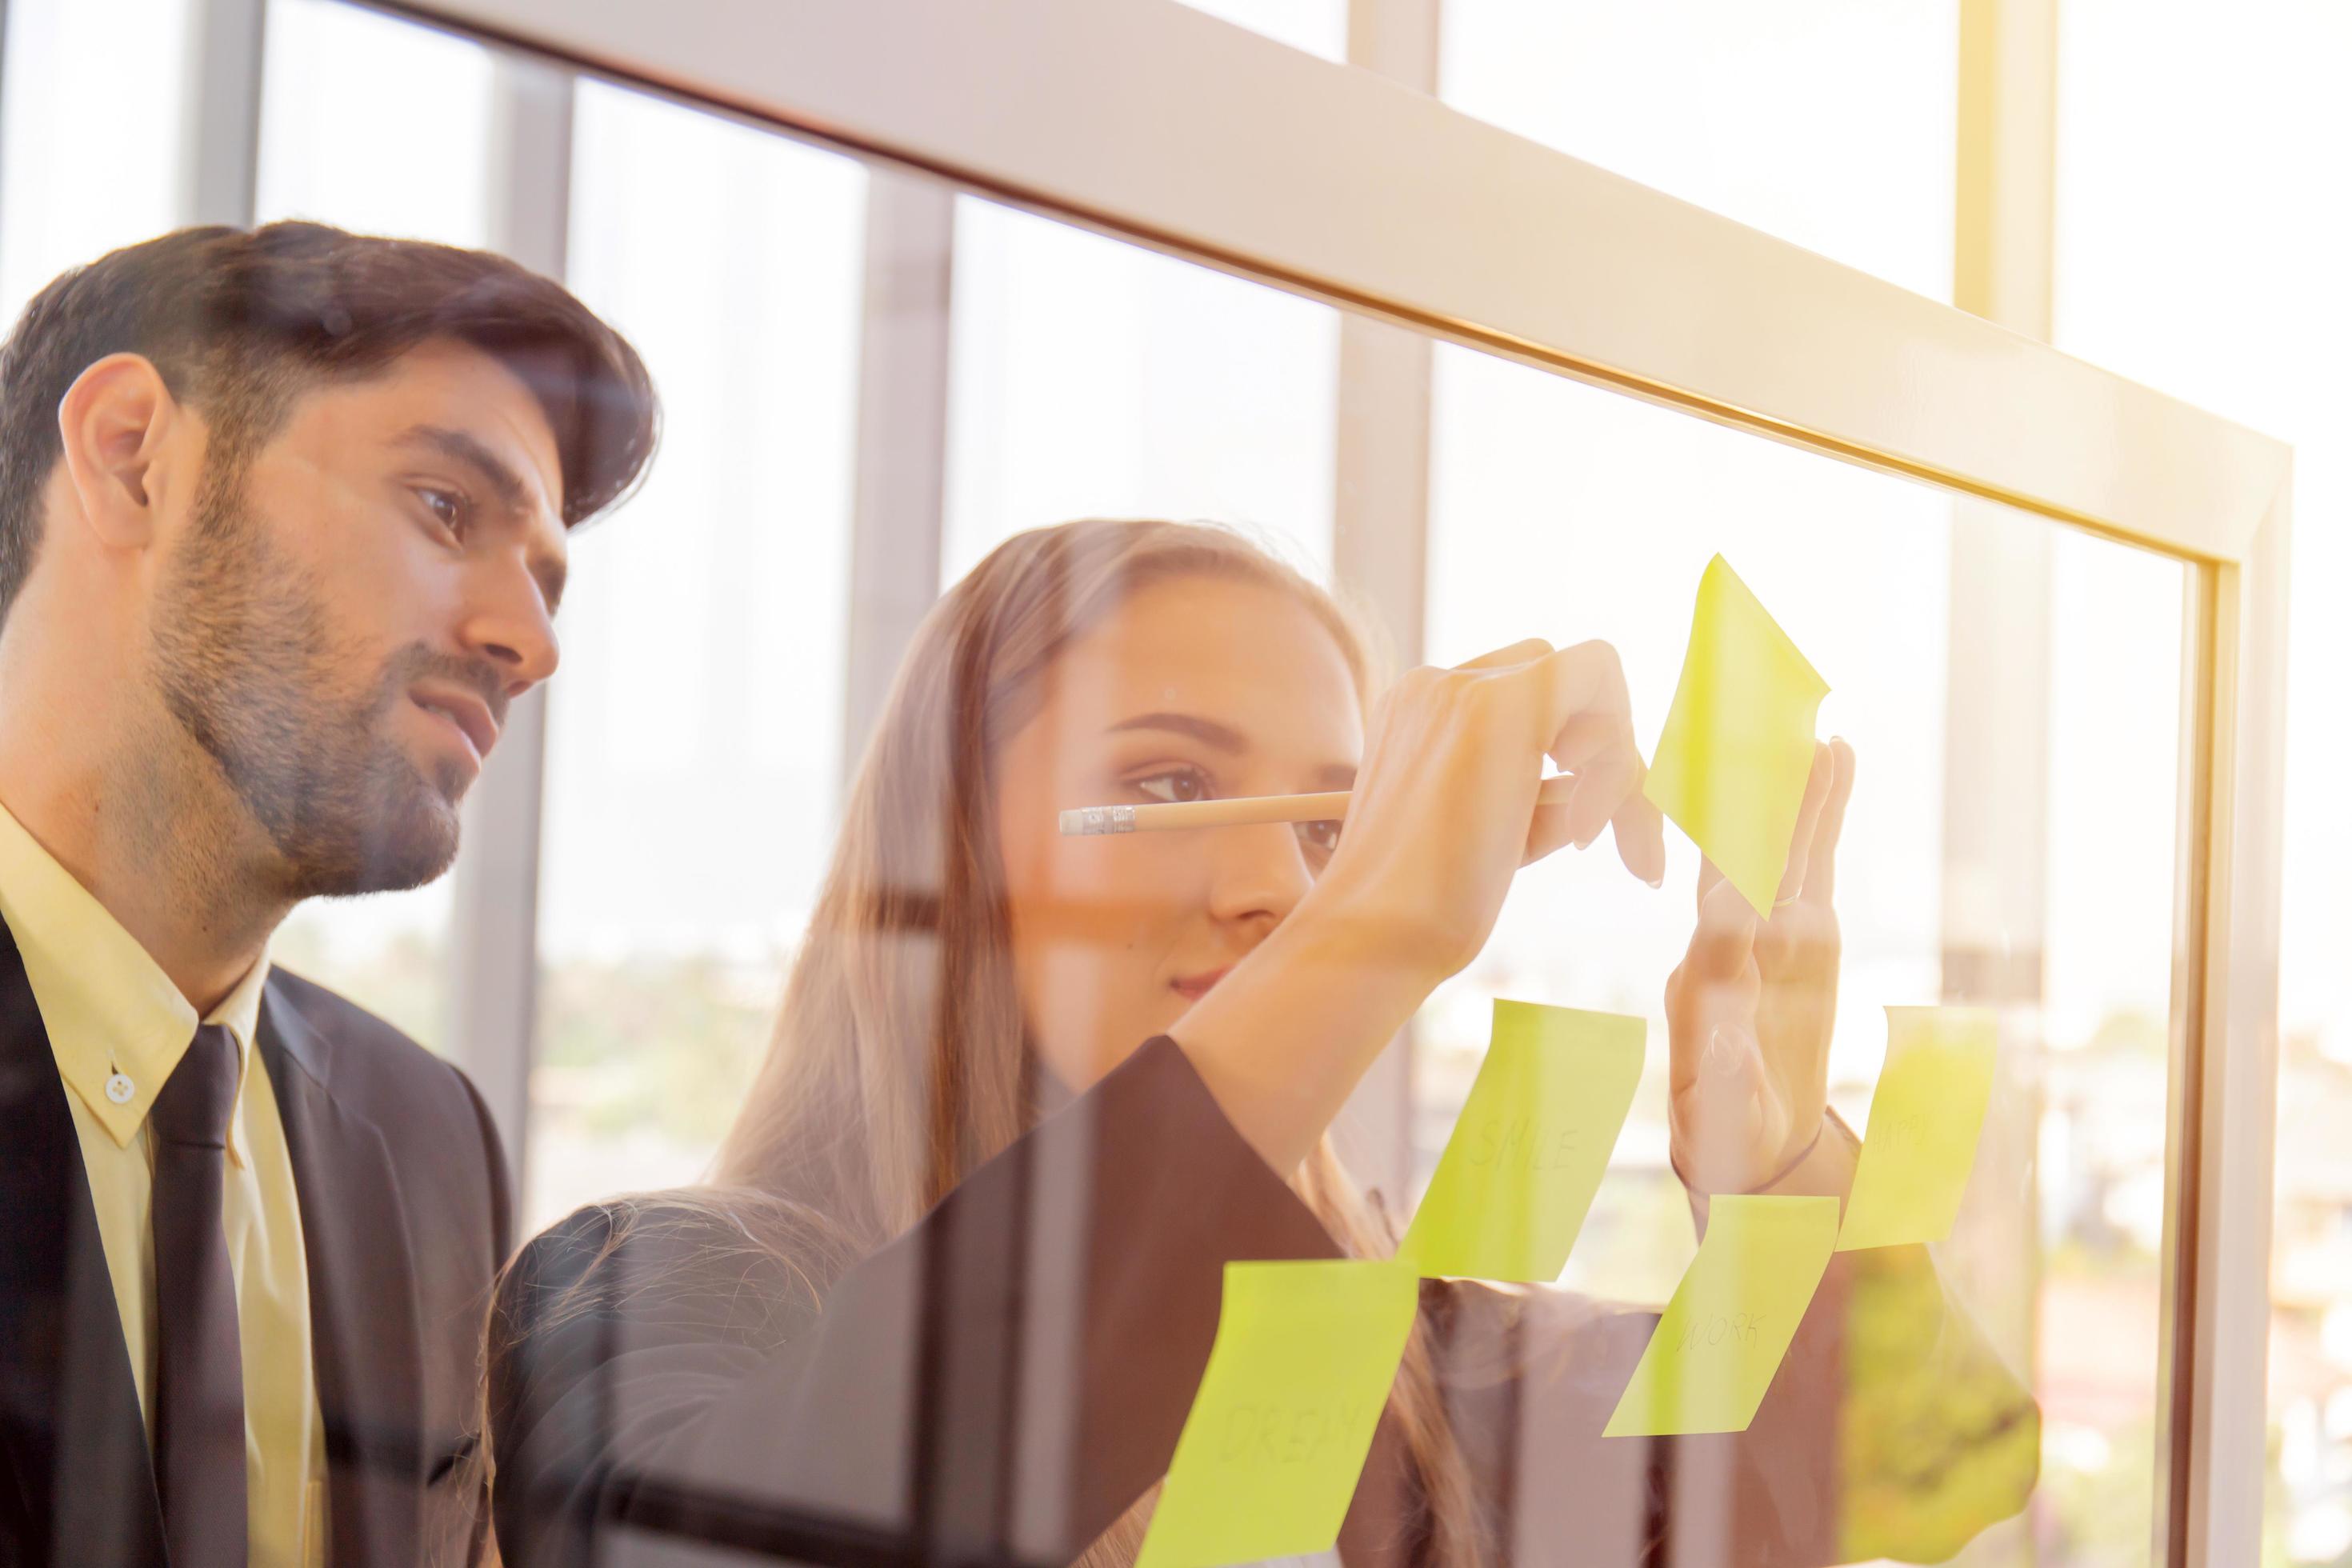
x=199 y=1370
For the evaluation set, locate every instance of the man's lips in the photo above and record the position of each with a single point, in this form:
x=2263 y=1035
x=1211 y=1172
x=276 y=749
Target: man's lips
x=467 y=713
x=1192 y=987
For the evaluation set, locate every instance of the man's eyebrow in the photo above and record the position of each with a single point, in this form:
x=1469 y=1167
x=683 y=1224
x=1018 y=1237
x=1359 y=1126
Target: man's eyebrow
x=513 y=494
x=459 y=447
x=1336 y=775
x=1208 y=731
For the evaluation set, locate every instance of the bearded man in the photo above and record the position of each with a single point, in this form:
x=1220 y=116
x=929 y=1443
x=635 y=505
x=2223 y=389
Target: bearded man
x=282 y=530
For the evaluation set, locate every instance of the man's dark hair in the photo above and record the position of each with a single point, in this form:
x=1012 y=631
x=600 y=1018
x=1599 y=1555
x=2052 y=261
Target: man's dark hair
x=238 y=322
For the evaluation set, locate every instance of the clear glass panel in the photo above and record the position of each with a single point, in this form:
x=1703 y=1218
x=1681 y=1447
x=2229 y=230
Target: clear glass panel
x=2195 y=254
x=1828 y=123
x=67 y=199
x=374 y=124
x=1567 y=512
x=1091 y=378
x=383 y=127
x=695 y=734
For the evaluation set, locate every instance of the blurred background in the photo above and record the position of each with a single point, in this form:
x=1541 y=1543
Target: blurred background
x=847 y=353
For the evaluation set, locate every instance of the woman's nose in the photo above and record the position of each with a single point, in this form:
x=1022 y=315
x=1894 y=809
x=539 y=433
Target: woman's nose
x=1257 y=873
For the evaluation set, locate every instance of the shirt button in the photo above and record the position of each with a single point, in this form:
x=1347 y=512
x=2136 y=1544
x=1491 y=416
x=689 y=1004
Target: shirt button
x=120 y=1088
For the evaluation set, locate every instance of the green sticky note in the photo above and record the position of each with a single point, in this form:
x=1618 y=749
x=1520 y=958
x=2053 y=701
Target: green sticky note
x=1269 y=1456
x=1721 y=1338
x=1530 y=1146
x=1925 y=1117
x=1738 y=747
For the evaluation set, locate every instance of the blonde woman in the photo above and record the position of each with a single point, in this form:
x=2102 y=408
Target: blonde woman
x=958 y=1272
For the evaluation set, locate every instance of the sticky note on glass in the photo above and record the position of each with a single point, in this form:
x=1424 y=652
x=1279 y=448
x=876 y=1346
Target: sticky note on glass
x=1925 y=1117
x=1269 y=1456
x=1530 y=1146
x=1721 y=1338
x=1738 y=747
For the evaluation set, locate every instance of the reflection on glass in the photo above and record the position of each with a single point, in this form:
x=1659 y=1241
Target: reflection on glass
x=694 y=733
x=1775 y=115
x=1567 y=512
x=1094 y=379
x=895 y=1205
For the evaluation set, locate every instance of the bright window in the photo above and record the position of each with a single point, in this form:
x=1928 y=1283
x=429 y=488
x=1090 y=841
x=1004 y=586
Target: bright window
x=1828 y=123
x=694 y=734
x=92 y=94
x=1094 y=379
x=2203 y=253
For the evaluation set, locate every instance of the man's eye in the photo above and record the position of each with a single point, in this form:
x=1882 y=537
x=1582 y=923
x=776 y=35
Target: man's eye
x=1319 y=837
x=1175 y=785
x=448 y=507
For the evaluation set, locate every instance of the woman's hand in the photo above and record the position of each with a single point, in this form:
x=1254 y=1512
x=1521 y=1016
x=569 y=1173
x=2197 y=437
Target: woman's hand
x=1444 y=809
x=1749 y=1008
x=1443 y=812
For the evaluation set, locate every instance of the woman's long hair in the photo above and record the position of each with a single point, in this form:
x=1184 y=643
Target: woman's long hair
x=901 y=1060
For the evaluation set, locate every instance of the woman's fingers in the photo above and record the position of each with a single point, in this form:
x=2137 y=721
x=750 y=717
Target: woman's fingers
x=1709 y=874
x=1821 y=873
x=1551 y=829
x=1605 y=741
x=1590 y=723
x=1585 y=679
x=1526 y=651
x=1809 y=815
x=1605 y=784
x=1641 y=832
x=1724 y=941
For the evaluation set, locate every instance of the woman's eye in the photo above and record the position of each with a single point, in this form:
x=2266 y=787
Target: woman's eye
x=1175 y=785
x=1320 y=838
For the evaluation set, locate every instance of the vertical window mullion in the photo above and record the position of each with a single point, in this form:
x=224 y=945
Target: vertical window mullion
x=494 y=970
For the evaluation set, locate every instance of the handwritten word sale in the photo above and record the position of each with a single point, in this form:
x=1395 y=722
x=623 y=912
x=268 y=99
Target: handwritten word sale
x=1520 y=1143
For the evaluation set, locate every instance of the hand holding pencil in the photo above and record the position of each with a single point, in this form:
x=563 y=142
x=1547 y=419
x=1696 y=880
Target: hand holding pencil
x=1447 y=807
x=1454 y=759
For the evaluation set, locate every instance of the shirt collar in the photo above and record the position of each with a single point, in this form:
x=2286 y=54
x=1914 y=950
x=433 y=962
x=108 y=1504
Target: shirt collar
x=110 y=1009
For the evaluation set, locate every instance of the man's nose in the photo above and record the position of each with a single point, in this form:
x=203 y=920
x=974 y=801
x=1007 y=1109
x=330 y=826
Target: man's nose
x=507 y=623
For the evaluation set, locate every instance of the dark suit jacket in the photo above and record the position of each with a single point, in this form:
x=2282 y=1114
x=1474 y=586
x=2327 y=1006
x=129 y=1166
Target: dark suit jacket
x=1001 y=1383
x=405 y=1218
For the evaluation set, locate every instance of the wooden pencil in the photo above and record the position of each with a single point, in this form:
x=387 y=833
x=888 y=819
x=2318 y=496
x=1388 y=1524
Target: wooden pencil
x=1241 y=811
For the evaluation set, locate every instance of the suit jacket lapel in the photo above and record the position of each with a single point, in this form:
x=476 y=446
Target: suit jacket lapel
x=367 y=1345
x=69 y=1416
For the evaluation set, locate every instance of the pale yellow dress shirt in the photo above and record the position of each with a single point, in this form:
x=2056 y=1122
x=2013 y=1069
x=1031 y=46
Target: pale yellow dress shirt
x=112 y=1012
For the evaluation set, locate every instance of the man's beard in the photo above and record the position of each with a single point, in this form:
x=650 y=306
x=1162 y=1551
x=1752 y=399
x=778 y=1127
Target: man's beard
x=246 y=662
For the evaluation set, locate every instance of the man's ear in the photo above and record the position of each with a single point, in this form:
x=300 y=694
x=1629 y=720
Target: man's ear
x=115 y=423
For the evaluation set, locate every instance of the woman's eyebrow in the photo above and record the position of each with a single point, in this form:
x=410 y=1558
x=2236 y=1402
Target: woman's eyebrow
x=1208 y=731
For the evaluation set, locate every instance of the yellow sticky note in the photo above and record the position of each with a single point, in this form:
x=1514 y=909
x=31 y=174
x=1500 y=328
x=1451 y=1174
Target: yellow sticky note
x=1269 y=1456
x=1925 y=1117
x=1530 y=1146
x=1732 y=760
x=1721 y=1338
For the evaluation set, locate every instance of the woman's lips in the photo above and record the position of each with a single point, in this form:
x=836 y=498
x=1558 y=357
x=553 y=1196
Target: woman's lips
x=1192 y=987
